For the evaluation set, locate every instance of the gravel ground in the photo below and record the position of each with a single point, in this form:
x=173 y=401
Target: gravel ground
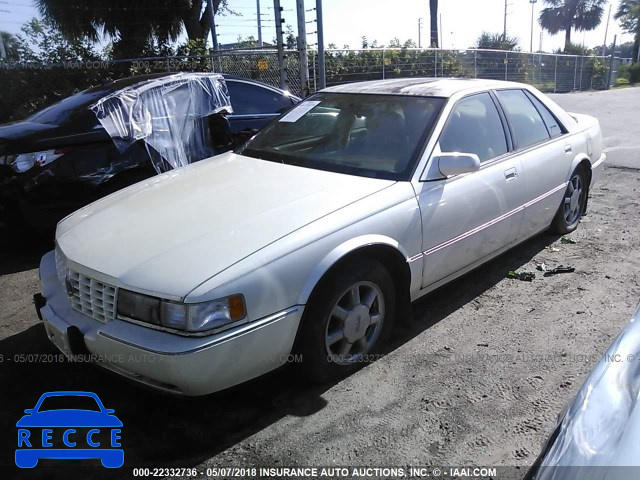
x=479 y=379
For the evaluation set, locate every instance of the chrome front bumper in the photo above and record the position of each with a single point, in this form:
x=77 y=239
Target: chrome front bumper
x=180 y=364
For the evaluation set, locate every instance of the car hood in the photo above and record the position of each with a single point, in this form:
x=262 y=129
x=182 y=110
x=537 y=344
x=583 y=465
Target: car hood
x=69 y=418
x=170 y=233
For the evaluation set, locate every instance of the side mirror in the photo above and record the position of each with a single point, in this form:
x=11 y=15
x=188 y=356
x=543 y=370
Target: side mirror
x=29 y=411
x=458 y=163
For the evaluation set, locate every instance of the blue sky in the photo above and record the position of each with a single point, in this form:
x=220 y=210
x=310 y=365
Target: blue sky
x=346 y=21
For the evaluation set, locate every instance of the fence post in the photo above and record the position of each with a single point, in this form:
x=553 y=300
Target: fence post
x=313 y=62
x=322 y=72
x=575 y=72
x=555 y=75
x=383 y=66
x=435 y=63
x=303 y=57
x=281 y=67
x=506 y=65
x=581 y=70
x=475 y=64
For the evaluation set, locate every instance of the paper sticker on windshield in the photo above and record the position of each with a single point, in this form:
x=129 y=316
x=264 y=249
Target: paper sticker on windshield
x=298 y=111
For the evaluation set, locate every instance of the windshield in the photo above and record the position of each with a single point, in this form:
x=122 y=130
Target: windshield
x=66 y=402
x=376 y=136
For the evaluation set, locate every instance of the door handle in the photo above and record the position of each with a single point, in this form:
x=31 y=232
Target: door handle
x=567 y=149
x=510 y=174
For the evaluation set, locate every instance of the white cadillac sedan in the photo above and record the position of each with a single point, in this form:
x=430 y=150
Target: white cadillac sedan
x=314 y=236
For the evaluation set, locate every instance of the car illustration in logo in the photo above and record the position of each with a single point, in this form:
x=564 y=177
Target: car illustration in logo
x=69 y=425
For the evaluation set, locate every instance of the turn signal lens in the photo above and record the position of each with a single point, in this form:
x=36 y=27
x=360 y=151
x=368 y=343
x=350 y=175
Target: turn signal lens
x=236 y=307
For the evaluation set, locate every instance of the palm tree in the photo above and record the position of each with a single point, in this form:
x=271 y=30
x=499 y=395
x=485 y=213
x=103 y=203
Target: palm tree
x=132 y=22
x=629 y=15
x=564 y=15
x=496 y=41
x=433 y=17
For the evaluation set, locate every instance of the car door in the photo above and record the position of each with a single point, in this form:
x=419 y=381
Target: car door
x=545 y=152
x=254 y=105
x=468 y=217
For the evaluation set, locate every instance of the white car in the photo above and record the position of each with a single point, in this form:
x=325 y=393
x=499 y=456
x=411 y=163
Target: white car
x=315 y=236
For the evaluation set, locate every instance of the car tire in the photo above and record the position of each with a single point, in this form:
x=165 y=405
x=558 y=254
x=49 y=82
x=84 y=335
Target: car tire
x=347 y=321
x=573 y=203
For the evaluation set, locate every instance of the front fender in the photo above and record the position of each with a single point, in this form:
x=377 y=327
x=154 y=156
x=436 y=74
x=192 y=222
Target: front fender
x=340 y=252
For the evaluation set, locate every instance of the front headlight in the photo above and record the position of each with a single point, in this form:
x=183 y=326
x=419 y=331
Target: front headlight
x=25 y=161
x=188 y=317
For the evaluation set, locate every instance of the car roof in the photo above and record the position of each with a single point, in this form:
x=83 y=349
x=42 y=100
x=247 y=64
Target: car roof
x=121 y=83
x=424 y=87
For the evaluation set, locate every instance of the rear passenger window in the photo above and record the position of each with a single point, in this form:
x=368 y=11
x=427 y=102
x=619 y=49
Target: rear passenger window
x=549 y=120
x=474 y=126
x=523 y=117
x=247 y=99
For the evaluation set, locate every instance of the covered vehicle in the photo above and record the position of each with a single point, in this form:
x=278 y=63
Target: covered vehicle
x=314 y=236
x=597 y=435
x=107 y=137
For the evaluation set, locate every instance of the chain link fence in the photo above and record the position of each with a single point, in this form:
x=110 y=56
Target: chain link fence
x=28 y=87
x=548 y=72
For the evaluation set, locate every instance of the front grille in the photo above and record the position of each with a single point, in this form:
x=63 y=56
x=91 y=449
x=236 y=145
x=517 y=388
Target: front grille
x=92 y=298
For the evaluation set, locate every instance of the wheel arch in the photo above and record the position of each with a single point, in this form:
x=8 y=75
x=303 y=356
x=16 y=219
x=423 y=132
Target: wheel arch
x=379 y=247
x=583 y=161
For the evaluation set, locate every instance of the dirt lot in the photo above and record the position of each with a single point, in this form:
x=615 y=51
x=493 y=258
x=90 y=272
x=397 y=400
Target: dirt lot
x=479 y=380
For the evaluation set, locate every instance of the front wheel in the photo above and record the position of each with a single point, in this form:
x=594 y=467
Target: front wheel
x=573 y=202
x=347 y=320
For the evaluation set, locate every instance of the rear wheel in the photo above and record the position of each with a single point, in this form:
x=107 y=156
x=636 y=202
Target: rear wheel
x=347 y=320
x=573 y=202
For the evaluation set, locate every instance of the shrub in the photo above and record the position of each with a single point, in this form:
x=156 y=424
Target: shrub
x=634 y=73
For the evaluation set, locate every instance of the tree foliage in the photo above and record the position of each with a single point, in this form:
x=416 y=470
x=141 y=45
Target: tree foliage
x=41 y=42
x=496 y=41
x=628 y=14
x=11 y=45
x=133 y=24
x=565 y=15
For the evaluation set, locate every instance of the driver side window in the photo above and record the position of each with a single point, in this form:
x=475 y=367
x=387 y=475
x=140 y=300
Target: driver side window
x=474 y=126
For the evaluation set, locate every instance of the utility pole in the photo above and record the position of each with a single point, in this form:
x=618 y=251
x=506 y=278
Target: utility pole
x=302 y=49
x=212 y=21
x=259 y=24
x=532 y=2
x=606 y=31
x=505 y=19
x=540 y=49
x=279 y=20
x=420 y=32
x=613 y=53
x=321 y=68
